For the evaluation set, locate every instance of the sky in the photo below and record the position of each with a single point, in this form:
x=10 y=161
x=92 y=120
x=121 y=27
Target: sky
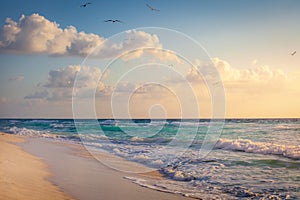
x=190 y=59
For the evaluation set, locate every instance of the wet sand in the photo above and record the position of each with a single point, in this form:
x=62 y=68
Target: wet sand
x=71 y=169
x=22 y=175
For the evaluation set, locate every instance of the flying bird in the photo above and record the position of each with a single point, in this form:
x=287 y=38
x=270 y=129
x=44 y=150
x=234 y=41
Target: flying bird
x=85 y=4
x=113 y=21
x=151 y=8
x=293 y=53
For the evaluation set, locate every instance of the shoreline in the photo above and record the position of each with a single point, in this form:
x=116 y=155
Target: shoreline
x=24 y=176
x=75 y=172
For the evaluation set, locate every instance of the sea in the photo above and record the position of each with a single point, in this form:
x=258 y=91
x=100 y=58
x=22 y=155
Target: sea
x=249 y=159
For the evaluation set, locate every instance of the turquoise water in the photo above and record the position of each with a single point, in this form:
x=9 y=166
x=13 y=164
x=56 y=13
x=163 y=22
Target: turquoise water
x=252 y=159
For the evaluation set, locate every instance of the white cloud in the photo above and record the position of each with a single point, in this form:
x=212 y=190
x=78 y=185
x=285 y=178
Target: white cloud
x=35 y=34
x=60 y=94
x=60 y=83
x=37 y=95
x=125 y=86
x=258 y=75
x=62 y=78
x=16 y=78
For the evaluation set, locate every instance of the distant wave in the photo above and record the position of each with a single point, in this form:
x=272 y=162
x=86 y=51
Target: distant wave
x=249 y=146
x=287 y=127
x=151 y=140
x=41 y=121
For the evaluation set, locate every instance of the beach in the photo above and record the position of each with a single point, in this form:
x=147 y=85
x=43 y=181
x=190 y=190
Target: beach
x=81 y=161
x=150 y=100
x=22 y=175
x=33 y=168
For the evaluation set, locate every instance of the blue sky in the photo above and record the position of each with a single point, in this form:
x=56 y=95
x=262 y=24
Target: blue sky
x=223 y=27
x=242 y=33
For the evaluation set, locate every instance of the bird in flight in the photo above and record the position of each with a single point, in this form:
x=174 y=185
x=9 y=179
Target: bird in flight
x=85 y=4
x=151 y=8
x=113 y=21
x=293 y=53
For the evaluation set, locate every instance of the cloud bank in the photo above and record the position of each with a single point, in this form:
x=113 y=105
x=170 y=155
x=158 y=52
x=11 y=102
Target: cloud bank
x=60 y=83
x=250 y=79
x=35 y=34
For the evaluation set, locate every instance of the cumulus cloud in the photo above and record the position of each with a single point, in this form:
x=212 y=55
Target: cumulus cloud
x=37 y=95
x=16 y=78
x=194 y=75
x=86 y=82
x=125 y=86
x=35 y=34
x=258 y=75
x=62 y=78
x=61 y=82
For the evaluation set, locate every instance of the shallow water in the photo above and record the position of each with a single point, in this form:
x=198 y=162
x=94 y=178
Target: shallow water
x=252 y=159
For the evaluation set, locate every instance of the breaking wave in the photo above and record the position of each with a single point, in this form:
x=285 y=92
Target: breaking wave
x=249 y=146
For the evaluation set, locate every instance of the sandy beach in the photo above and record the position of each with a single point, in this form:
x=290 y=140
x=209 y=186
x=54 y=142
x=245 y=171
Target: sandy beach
x=33 y=168
x=22 y=175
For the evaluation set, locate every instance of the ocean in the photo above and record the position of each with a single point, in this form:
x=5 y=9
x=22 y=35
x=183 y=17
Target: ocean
x=251 y=159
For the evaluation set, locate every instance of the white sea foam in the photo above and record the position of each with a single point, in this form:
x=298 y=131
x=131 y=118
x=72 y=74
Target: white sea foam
x=141 y=158
x=185 y=123
x=144 y=183
x=31 y=132
x=137 y=139
x=119 y=152
x=260 y=147
x=57 y=125
x=42 y=121
x=157 y=162
x=178 y=187
x=93 y=137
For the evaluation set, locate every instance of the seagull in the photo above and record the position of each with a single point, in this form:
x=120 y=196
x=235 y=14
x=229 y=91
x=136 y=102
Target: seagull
x=171 y=65
x=151 y=8
x=85 y=4
x=113 y=21
x=293 y=53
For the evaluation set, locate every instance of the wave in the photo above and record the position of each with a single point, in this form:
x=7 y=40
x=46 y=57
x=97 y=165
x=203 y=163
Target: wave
x=28 y=132
x=41 y=121
x=249 y=146
x=287 y=127
x=108 y=122
x=42 y=134
x=189 y=123
x=204 y=191
x=157 y=140
x=156 y=187
x=57 y=125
